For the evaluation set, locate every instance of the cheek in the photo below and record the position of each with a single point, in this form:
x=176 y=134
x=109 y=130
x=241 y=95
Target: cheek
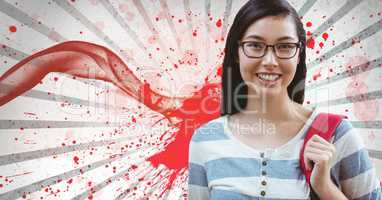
x=247 y=68
x=289 y=69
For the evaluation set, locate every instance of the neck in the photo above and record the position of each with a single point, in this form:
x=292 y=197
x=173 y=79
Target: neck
x=273 y=108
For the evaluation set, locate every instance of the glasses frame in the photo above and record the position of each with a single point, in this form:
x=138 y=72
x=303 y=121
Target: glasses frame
x=242 y=43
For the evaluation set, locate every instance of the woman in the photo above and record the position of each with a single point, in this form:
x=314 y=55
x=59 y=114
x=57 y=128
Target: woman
x=252 y=150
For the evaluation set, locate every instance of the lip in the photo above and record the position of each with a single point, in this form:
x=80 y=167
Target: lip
x=268 y=83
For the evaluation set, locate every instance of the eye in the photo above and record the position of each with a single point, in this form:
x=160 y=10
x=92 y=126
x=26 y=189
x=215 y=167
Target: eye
x=285 y=46
x=255 y=45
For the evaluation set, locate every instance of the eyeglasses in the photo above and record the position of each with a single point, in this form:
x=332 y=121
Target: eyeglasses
x=258 y=49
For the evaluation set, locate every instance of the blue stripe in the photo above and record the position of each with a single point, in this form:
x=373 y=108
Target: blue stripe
x=209 y=132
x=342 y=128
x=375 y=194
x=197 y=175
x=250 y=167
x=352 y=165
x=217 y=194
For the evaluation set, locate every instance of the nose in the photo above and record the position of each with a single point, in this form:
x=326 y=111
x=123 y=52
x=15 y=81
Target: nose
x=269 y=58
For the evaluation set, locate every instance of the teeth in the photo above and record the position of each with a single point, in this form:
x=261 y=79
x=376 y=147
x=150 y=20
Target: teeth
x=268 y=77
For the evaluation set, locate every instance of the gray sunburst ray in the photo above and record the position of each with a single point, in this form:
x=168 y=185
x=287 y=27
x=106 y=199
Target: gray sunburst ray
x=88 y=24
x=306 y=7
x=164 y=6
x=11 y=52
x=36 y=186
x=351 y=99
x=24 y=18
x=341 y=12
x=106 y=182
x=356 y=70
x=32 y=155
x=362 y=35
x=138 y=4
x=226 y=15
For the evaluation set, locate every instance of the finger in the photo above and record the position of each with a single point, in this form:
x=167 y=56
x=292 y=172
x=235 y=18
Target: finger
x=319 y=152
x=318 y=138
x=321 y=146
x=318 y=157
x=308 y=162
x=312 y=157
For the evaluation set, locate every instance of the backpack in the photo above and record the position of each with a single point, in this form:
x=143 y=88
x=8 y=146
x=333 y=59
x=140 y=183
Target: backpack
x=323 y=125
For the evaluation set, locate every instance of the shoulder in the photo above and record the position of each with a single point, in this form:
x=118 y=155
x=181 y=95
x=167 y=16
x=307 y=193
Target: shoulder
x=343 y=130
x=212 y=130
x=349 y=144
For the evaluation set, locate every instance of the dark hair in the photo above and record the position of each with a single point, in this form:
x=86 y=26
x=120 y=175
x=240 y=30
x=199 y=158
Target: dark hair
x=231 y=79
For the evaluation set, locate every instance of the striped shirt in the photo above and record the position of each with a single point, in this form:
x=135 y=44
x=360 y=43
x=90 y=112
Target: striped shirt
x=221 y=167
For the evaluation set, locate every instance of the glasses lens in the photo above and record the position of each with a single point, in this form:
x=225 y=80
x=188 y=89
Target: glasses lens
x=254 y=49
x=285 y=50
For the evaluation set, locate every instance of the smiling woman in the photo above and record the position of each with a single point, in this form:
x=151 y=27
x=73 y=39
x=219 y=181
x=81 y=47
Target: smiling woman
x=253 y=149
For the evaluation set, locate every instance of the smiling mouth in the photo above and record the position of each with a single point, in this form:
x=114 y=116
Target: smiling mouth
x=268 y=77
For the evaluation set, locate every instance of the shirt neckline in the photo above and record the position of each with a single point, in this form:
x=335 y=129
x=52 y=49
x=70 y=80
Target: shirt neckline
x=295 y=138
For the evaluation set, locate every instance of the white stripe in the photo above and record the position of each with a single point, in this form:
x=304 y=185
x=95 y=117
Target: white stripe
x=348 y=144
x=196 y=192
x=212 y=150
x=275 y=188
x=360 y=185
x=203 y=152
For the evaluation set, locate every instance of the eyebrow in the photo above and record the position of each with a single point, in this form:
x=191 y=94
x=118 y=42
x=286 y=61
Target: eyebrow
x=261 y=38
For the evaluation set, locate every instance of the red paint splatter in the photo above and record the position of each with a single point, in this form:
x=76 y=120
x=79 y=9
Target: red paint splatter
x=175 y=156
x=355 y=64
x=194 y=33
x=201 y=107
x=316 y=75
x=364 y=110
x=76 y=159
x=153 y=39
x=325 y=36
x=220 y=71
x=55 y=78
x=219 y=23
x=310 y=43
x=12 y=29
x=29 y=113
x=308 y=24
x=189 y=57
x=321 y=44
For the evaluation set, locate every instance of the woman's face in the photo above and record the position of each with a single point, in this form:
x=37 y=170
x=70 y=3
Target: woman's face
x=269 y=74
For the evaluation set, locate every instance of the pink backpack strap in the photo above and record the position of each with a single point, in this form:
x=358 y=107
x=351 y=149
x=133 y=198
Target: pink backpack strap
x=323 y=125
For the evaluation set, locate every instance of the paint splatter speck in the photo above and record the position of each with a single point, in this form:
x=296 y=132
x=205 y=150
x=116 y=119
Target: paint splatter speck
x=325 y=36
x=12 y=29
x=219 y=23
x=76 y=159
x=310 y=43
x=321 y=44
x=194 y=33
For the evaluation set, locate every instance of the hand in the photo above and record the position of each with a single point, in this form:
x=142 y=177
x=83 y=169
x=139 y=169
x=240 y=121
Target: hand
x=317 y=157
